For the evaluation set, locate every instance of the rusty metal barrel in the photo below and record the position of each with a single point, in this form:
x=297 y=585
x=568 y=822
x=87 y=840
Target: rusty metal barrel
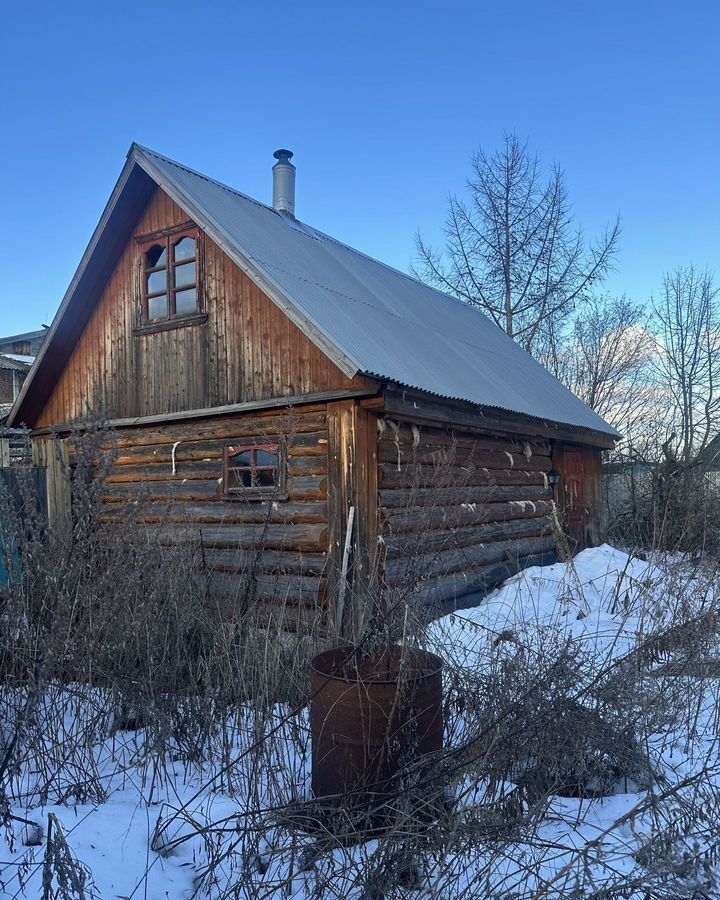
x=369 y=718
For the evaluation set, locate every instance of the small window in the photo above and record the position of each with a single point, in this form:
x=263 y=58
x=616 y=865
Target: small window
x=170 y=276
x=254 y=471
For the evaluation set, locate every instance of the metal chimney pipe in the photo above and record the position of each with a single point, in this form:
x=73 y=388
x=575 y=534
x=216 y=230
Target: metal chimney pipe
x=284 y=182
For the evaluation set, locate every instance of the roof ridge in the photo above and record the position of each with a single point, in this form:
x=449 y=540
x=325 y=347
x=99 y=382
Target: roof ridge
x=318 y=234
x=220 y=184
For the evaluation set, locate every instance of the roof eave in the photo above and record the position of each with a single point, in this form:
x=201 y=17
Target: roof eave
x=605 y=437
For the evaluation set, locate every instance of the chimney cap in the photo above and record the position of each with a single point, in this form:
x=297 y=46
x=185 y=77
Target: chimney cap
x=283 y=155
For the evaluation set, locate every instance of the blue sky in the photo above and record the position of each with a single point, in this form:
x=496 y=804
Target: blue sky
x=383 y=104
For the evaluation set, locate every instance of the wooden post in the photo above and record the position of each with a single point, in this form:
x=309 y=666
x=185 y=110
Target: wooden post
x=4 y=453
x=352 y=483
x=52 y=455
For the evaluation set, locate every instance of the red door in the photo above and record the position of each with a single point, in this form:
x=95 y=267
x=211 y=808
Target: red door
x=574 y=500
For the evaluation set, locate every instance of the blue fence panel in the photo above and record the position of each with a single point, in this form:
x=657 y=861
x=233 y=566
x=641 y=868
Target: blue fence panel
x=19 y=488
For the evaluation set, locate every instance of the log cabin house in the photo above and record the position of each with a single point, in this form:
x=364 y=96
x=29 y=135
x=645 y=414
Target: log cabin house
x=265 y=382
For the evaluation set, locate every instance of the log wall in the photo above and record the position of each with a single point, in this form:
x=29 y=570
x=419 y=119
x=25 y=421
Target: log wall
x=460 y=511
x=246 y=350
x=166 y=479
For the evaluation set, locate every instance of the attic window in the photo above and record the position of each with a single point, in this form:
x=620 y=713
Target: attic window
x=170 y=276
x=254 y=471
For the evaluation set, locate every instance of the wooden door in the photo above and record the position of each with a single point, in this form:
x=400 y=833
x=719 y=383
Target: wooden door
x=574 y=499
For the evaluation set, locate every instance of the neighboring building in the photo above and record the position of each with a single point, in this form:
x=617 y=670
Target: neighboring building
x=25 y=345
x=12 y=375
x=17 y=354
x=264 y=379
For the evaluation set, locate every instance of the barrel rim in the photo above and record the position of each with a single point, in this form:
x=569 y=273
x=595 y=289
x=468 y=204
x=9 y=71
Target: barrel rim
x=437 y=662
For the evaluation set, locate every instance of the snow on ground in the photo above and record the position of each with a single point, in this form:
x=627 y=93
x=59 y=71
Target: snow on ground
x=149 y=829
x=606 y=600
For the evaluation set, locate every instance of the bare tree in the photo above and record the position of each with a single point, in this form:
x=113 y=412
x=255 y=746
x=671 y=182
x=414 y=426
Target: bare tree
x=513 y=249
x=674 y=497
x=607 y=360
x=688 y=364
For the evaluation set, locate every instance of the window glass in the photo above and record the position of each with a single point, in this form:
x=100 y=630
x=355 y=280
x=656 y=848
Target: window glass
x=171 y=277
x=185 y=302
x=184 y=249
x=256 y=470
x=157 y=281
x=156 y=256
x=158 y=307
x=265 y=477
x=185 y=275
x=266 y=459
x=242 y=459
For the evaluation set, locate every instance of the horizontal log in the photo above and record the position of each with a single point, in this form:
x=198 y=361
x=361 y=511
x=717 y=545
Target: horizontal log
x=307 y=487
x=443 y=496
x=445 y=589
x=214 y=430
x=411 y=568
x=307 y=465
x=197 y=469
x=301 y=487
x=300 y=538
x=314 y=444
x=150 y=491
x=424 y=453
x=268 y=561
x=208 y=467
x=406 y=544
x=448 y=438
x=421 y=520
x=229 y=513
x=299 y=617
x=415 y=475
x=280 y=589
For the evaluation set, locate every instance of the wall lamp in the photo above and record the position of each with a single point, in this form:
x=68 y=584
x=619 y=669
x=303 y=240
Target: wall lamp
x=553 y=478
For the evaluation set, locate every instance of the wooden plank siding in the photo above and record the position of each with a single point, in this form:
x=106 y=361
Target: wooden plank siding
x=246 y=350
x=52 y=456
x=457 y=509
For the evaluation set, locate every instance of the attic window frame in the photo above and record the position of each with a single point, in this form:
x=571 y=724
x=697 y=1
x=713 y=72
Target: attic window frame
x=278 y=491
x=169 y=237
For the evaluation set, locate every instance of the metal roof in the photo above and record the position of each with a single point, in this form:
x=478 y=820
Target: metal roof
x=387 y=324
x=25 y=336
x=8 y=361
x=366 y=316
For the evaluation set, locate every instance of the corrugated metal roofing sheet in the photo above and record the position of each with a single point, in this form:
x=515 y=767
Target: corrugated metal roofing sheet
x=387 y=323
x=18 y=363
